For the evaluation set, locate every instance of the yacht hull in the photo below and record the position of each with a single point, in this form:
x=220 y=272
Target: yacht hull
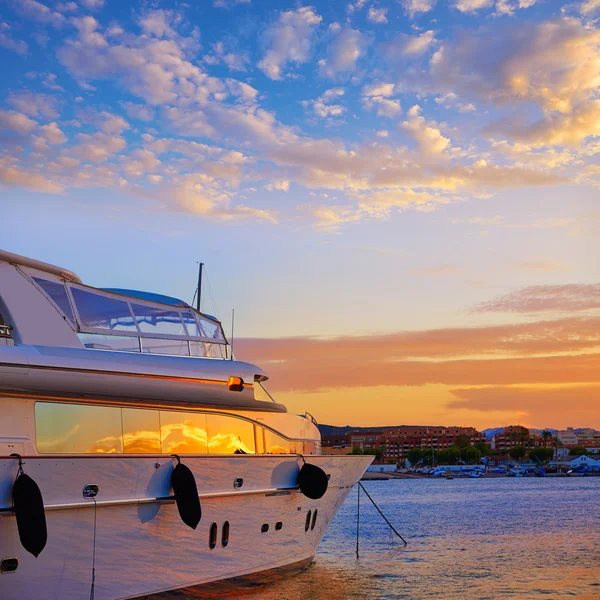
x=142 y=546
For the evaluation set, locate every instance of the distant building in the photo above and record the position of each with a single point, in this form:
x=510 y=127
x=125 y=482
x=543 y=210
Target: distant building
x=396 y=442
x=568 y=437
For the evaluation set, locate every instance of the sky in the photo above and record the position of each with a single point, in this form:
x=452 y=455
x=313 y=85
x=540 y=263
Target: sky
x=400 y=198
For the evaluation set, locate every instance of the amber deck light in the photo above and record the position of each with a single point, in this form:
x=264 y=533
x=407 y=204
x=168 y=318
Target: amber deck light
x=235 y=384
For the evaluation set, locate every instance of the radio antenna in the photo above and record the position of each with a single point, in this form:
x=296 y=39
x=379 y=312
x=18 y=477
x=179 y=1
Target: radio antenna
x=199 y=288
x=232 y=325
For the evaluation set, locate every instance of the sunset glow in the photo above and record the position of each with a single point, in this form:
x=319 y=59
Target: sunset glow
x=400 y=198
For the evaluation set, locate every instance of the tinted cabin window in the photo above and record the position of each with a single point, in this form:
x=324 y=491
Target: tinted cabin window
x=57 y=292
x=75 y=429
x=275 y=444
x=80 y=429
x=140 y=431
x=228 y=435
x=183 y=433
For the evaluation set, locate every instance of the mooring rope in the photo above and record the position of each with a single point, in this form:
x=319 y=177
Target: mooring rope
x=94 y=555
x=357 y=517
x=359 y=487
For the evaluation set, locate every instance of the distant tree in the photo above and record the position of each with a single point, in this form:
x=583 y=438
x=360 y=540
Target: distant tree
x=463 y=441
x=542 y=454
x=517 y=452
x=356 y=450
x=453 y=454
x=577 y=451
x=414 y=455
x=484 y=448
x=378 y=452
x=443 y=457
x=472 y=455
x=546 y=434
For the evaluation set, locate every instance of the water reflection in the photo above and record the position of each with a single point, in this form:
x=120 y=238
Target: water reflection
x=468 y=540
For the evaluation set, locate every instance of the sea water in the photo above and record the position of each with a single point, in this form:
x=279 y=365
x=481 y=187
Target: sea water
x=467 y=539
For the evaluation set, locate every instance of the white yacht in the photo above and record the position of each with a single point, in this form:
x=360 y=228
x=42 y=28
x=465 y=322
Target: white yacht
x=137 y=457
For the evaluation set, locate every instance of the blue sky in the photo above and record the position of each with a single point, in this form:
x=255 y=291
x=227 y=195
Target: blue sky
x=343 y=168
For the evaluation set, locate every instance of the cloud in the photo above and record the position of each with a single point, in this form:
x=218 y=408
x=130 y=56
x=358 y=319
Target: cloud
x=322 y=106
x=467 y=6
x=36 y=11
x=93 y=4
x=290 y=40
x=234 y=61
x=52 y=134
x=544 y=352
x=376 y=97
x=590 y=7
x=413 y=7
x=427 y=134
x=34 y=104
x=13 y=175
x=229 y=3
x=377 y=15
x=542 y=266
x=16 y=121
x=554 y=64
x=6 y=41
x=573 y=297
x=438 y=270
x=538 y=404
x=140 y=112
x=404 y=45
x=346 y=48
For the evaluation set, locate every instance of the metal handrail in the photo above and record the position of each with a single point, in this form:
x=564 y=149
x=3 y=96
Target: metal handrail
x=308 y=416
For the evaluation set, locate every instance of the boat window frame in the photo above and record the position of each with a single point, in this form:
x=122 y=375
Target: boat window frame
x=43 y=275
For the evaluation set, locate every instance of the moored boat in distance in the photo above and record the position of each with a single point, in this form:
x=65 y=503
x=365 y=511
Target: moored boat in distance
x=107 y=397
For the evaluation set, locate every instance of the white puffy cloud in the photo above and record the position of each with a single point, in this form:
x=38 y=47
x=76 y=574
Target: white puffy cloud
x=427 y=134
x=590 y=7
x=377 y=97
x=343 y=52
x=468 y=6
x=140 y=112
x=16 y=121
x=233 y=60
x=324 y=106
x=6 y=41
x=37 y=11
x=290 y=40
x=555 y=64
x=413 y=7
x=52 y=134
x=34 y=104
x=377 y=15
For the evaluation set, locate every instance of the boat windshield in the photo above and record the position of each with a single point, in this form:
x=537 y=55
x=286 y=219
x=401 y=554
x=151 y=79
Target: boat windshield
x=107 y=320
x=260 y=392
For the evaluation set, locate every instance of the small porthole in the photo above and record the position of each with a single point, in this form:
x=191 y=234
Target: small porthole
x=9 y=565
x=278 y=526
x=264 y=528
x=225 y=534
x=212 y=538
x=314 y=519
x=307 y=524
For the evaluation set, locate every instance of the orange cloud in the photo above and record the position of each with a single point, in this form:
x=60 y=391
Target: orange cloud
x=575 y=405
x=539 y=298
